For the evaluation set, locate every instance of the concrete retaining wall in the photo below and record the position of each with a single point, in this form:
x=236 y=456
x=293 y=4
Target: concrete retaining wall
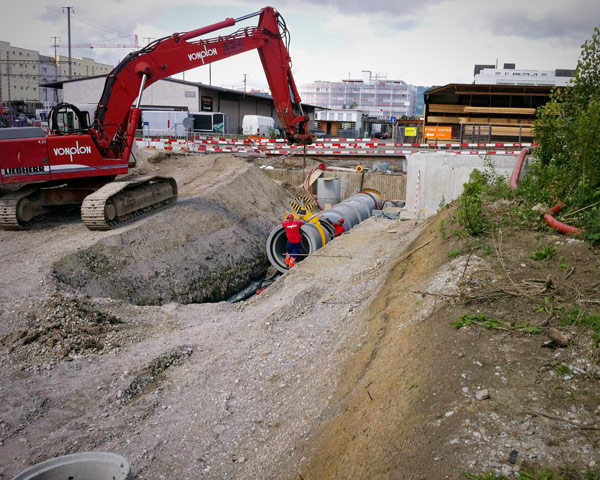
x=441 y=177
x=391 y=187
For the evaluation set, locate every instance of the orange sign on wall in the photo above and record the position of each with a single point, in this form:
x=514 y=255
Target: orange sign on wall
x=440 y=133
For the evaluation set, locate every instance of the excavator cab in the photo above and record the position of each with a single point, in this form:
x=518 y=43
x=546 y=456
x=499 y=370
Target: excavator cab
x=65 y=119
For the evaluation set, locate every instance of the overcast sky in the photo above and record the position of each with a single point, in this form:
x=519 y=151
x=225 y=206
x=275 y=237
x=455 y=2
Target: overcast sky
x=423 y=42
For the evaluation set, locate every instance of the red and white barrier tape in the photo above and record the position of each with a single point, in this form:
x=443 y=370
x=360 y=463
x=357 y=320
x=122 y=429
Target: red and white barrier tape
x=268 y=148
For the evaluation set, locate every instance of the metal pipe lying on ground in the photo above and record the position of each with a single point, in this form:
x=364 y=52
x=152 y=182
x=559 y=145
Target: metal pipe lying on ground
x=315 y=255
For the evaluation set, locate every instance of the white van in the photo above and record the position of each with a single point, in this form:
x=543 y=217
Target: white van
x=164 y=122
x=257 y=126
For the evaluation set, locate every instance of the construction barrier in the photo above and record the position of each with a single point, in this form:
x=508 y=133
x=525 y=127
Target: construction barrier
x=329 y=147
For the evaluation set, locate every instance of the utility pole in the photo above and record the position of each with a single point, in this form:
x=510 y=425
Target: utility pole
x=56 y=62
x=69 y=27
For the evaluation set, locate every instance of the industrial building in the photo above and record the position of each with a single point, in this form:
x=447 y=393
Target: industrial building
x=375 y=95
x=31 y=83
x=175 y=94
x=340 y=122
x=510 y=75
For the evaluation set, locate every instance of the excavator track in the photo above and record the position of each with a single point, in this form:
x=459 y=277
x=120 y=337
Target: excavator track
x=16 y=210
x=119 y=202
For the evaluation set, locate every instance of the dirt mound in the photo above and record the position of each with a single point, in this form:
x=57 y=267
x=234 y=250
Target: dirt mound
x=66 y=329
x=206 y=247
x=423 y=400
x=348 y=366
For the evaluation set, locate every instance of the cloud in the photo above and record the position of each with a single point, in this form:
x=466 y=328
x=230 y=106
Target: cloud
x=426 y=42
x=573 y=24
x=390 y=8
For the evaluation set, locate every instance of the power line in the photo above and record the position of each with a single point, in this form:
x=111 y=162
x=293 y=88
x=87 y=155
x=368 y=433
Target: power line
x=99 y=26
x=56 y=39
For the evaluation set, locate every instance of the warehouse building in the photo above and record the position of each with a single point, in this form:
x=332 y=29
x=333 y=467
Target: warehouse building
x=175 y=94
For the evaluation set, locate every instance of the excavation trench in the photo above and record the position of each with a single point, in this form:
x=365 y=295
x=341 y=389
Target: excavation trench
x=205 y=248
x=316 y=234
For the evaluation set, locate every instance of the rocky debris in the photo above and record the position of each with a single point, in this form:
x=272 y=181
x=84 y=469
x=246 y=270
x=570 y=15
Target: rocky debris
x=65 y=329
x=151 y=372
x=33 y=410
x=557 y=338
x=275 y=368
x=482 y=394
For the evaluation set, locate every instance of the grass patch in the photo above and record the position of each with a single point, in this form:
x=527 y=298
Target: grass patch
x=452 y=254
x=470 y=207
x=443 y=231
x=493 y=324
x=566 y=473
x=563 y=265
x=561 y=368
x=545 y=253
x=586 y=320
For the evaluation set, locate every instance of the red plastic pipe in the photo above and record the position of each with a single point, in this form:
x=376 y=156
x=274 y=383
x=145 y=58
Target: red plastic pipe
x=556 y=208
x=550 y=220
x=561 y=227
x=514 y=179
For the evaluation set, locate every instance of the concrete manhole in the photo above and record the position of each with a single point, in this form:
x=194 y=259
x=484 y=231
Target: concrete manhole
x=79 y=466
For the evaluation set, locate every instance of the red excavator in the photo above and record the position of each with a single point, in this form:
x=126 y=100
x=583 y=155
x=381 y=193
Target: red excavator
x=77 y=163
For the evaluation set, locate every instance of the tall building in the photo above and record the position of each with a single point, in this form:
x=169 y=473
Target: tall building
x=19 y=74
x=82 y=67
x=373 y=94
x=49 y=72
x=510 y=75
x=23 y=71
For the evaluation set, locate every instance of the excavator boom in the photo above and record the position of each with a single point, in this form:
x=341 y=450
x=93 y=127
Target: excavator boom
x=183 y=51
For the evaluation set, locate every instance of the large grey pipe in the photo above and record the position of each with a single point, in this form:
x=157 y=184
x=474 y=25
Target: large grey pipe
x=353 y=210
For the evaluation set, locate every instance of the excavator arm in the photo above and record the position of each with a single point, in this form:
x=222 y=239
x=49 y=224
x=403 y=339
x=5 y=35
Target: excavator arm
x=115 y=122
x=79 y=165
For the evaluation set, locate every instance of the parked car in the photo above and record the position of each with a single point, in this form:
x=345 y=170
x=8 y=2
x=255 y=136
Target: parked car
x=380 y=135
x=317 y=133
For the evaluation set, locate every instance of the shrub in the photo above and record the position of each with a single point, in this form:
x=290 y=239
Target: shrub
x=568 y=151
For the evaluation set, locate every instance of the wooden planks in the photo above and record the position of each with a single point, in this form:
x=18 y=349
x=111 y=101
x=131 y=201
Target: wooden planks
x=441 y=108
x=503 y=131
x=501 y=110
x=434 y=119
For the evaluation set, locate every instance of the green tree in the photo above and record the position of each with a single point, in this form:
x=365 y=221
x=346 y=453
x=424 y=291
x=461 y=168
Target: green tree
x=568 y=136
